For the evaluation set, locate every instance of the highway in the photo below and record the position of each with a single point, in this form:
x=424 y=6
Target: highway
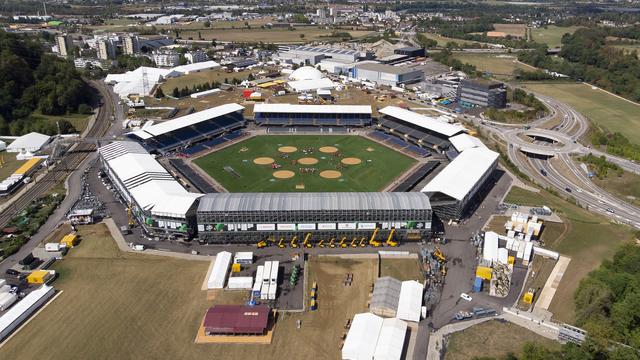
x=561 y=171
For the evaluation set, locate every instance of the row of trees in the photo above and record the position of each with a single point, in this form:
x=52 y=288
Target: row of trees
x=31 y=82
x=601 y=165
x=536 y=108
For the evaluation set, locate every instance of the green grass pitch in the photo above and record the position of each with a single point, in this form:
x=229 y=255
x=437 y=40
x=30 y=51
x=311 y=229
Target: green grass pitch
x=379 y=167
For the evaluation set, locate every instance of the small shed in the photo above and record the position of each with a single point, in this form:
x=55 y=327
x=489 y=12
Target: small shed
x=40 y=276
x=69 y=240
x=236 y=320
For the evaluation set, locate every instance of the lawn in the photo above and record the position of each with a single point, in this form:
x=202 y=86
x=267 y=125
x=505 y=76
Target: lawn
x=626 y=187
x=401 y=269
x=443 y=40
x=607 y=111
x=9 y=164
x=200 y=78
x=118 y=305
x=552 y=35
x=517 y=30
x=586 y=238
x=500 y=66
x=301 y=34
x=492 y=339
x=79 y=121
x=379 y=164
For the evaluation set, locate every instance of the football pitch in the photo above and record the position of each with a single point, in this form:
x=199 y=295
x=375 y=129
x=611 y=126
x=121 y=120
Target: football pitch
x=298 y=163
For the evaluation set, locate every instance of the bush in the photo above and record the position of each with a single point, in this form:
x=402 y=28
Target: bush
x=85 y=109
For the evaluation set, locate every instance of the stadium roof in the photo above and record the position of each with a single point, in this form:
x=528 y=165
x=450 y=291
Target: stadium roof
x=312 y=109
x=146 y=181
x=425 y=122
x=391 y=339
x=362 y=338
x=187 y=120
x=465 y=141
x=463 y=173
x=410 y=302
x=230 y=202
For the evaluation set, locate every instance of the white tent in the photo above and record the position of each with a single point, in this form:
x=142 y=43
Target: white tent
x=219 y=271
x=3 y=145
x=490 y=249
x=391 y=340
x=30 y=142
x=361 y=340
x=311 y=85
x=410 y=303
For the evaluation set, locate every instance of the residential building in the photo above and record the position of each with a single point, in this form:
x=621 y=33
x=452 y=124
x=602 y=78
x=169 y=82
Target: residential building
x=106 y=50
x=482 y=93
x=167 y=58
x=65 y=45
x=196 y=56
x=131 y=45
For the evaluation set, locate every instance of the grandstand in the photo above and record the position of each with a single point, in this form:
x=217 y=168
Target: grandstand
x=399 y=144
x=312 y=115
x=243 y=217
x=213 y=143
x=190 y=129
x=419 y=129
x=412 y=180
x=458 y=186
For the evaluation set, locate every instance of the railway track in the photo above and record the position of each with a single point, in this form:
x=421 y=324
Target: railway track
x=70 y=161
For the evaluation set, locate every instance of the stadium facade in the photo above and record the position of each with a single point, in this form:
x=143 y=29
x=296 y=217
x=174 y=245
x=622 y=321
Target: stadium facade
x=312 y=115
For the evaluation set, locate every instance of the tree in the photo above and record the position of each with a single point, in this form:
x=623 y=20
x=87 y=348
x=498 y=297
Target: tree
x=175 y=93
x=207 y=24
x=301 y=36
x=159 y=93
x=84 y=109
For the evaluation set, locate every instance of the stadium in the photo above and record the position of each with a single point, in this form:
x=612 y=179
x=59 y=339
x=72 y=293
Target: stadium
x=355 y=183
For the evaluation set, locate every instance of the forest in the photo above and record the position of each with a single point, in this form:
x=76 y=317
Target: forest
x=33 y=82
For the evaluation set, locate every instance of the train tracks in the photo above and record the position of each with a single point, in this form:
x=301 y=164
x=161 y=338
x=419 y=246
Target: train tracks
x=69 y=163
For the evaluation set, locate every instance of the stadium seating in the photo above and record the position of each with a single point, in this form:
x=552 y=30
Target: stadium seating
x=214 y=142
x=194 y=149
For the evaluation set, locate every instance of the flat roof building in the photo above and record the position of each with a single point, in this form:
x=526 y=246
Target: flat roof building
x=459 y=184
x=410 y=51
x=482 y=93
x=31 y=142
x=236 y=320
x=389 y=75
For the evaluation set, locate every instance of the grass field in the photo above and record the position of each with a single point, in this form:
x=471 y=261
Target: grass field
x=200 y=78
x=401 y=269
x=267 y=35
x=378 y=167
x=517 y=30
x=79 y=121
x=500 y=66
x=586 y=238
x=10 y=164
x=443 y=40
x=552 y=35
x=607 y=111
x=118 y=305
x=626 y=187
x=492 y=339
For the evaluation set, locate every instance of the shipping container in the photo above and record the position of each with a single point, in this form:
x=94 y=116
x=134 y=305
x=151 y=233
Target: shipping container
x=70 y=240
x=243 y=257
x=264 y=292
x=6 y=300
x=240 y=283
x=477 y=285
x=274 y=272
x=257 y=285
x=40 y=276
x=266 y=276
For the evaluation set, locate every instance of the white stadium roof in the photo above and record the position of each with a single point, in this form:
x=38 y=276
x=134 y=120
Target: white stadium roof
x=312 y=109
x=425 y=122
x=187 y=120
x=391 y=340
x=30 y=142
x=410 y=303
x=463 y=173
x=465 y=141
x=361 y=340
x=146 y=181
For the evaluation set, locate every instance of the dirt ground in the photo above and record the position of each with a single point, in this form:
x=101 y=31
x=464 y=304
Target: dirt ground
x=401 y=269
x=118 y=305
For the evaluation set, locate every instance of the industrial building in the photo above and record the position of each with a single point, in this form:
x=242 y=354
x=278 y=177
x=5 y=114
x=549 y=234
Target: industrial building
x=312 y=115
x=482 y=93
x=410 y=51
x=236 y=320
x=244 y=217
x=189 y=129
x=459 y=185
x=420 y=129
x=161 y=205
x=309 y=55
x=383 y=74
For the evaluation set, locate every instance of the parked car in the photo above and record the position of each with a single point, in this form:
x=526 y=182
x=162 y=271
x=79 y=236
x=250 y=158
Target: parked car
x=466 y=296
x=12 y=272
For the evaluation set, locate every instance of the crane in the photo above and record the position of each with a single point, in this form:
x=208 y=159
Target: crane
x=294 y=242
x=342 y=242
x=354 y=242
x=281 y=244
x=390 y=240
x=307 y=243
x=372 y=240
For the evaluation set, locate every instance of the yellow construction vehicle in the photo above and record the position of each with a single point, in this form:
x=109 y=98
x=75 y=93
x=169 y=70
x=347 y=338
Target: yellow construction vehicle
x=363 y=242
x=437 y=253
x=354 y=242
x=390 y=241
x=342 y=242
x=528 y=296
x=262 y=244
x=281 y=244
x=331 y=244
x=294 y=242
x=321 y=243
x=306 y=243
x=372 y=240
x=131 y=220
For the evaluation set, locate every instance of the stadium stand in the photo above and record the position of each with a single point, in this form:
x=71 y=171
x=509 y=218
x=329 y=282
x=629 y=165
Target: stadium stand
x=410 y=182
x=312 y=115
x=201 y=184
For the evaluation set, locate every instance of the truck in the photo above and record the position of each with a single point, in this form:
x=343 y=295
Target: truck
x=273 y=280
x=264 y=292
x=257 y=286
x=266 y=276
x=273 y=289
x=52 y=247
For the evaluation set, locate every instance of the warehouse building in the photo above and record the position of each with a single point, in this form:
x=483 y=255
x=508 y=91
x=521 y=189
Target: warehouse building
x=313 y=55
x=31 y=142
x=482 y=93
x=236 y=320
x=245 y=217
x=420 y=129
x=312 y=115
x=189 y=129
x=459 y=186
x=389 y=75
x=161 y=205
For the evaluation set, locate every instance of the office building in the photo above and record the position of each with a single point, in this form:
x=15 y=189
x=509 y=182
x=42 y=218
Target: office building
x=482 y=93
